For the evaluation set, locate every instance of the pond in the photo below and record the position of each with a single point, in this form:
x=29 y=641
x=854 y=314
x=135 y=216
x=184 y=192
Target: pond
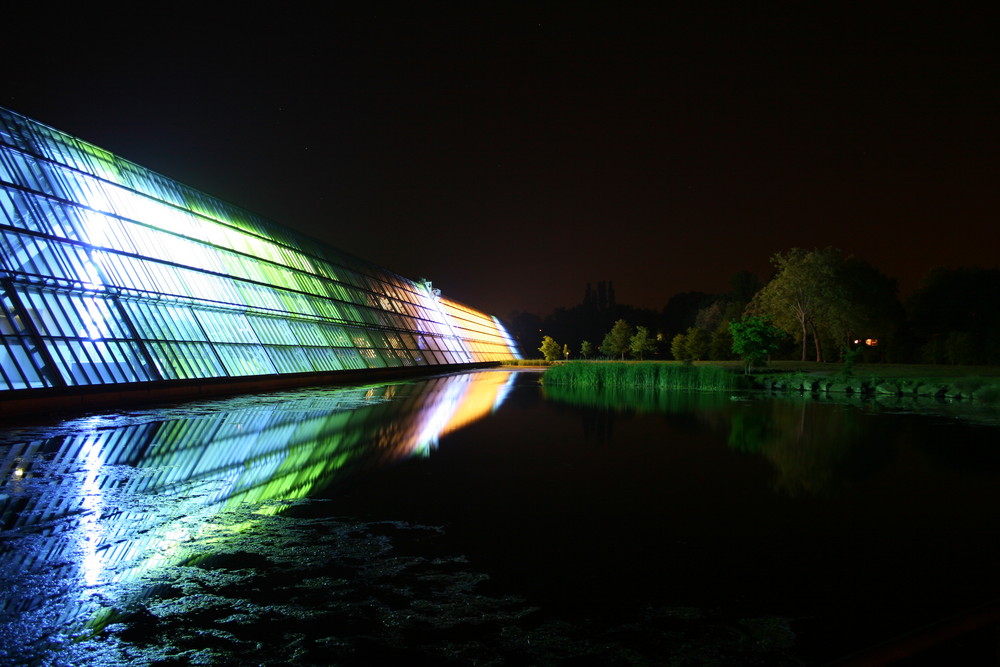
x=479 y=518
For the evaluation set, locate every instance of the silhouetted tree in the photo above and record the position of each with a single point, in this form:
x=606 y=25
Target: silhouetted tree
x=743 y=285
x=524 y=327
x=681 y=311
x=954 y=317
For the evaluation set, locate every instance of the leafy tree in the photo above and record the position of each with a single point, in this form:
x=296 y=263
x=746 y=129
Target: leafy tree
x=550 y=348
x=828 y=297
x=678 y=348
x=616 y=342
x=586 y=349
x=960 y=348
x=754 y=337
x=690 y=346
x=800 y=294
x=712 y=315
x=566 y=351
x=698 y=342
x=641 y=342
x=868 y=307
x=721 y=345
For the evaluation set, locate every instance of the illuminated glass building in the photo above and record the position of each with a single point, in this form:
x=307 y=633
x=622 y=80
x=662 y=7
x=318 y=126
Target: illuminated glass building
x=114 y=275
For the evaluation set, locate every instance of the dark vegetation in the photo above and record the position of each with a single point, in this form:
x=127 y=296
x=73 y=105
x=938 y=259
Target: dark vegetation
x=829 y=308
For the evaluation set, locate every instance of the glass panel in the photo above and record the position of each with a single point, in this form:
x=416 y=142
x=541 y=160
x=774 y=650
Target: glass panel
x=289 y=359
x=323 y=358
x=186 y=360
x=244 y=359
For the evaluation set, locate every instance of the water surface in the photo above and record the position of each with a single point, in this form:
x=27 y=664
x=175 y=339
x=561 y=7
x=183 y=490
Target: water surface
x=476 y=518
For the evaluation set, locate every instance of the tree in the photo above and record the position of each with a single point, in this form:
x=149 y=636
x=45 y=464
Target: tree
x=831 y=298
x=800 y=294
x=566 y=351
x=953 y=315
x=641 y=342
x=550 y=348
x=524 y=327
x=616 y=342
x=690 y=346
x=586 y=349
x=698 y=342
x=721 y=345
x=754 y=337
x=868 y=306
x=681 y=311
x=678 y=348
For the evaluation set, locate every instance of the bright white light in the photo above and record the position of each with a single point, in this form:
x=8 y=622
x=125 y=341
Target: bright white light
x=92 y=503
x=94 y=321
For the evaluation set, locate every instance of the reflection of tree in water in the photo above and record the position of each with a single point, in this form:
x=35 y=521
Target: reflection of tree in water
x=818 y=448
x=636 y=399
x=598 y=425
x=751 y=428
x=603 y=405
x=815 y=447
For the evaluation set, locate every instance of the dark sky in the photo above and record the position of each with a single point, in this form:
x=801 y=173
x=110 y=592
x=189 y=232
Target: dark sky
x=513 y=152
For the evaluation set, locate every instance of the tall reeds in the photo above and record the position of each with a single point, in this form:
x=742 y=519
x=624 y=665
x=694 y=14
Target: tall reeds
x=642 y=374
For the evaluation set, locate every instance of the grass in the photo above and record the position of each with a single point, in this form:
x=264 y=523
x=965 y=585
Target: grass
x=525 y=362
x=653 y=374
x=980 y=384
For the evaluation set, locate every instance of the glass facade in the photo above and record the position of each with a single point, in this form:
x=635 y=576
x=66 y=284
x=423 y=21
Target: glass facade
x=111 y=273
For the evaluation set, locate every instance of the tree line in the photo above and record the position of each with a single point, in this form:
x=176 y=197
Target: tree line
x=825 y=304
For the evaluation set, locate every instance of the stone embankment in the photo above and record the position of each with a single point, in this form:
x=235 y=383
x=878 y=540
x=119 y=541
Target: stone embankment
x=981 y=390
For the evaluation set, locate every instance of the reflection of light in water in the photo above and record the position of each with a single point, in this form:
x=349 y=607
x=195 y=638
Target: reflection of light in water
x=91 y=503
x=481 y=397
x=464 y=399
x=433 y=420
x=171 y=478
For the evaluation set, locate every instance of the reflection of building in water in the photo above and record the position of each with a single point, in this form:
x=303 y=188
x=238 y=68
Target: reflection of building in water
x=106 y=504
x=113 y=275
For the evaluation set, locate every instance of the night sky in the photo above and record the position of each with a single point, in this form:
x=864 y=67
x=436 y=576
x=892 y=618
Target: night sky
x=514 y=152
